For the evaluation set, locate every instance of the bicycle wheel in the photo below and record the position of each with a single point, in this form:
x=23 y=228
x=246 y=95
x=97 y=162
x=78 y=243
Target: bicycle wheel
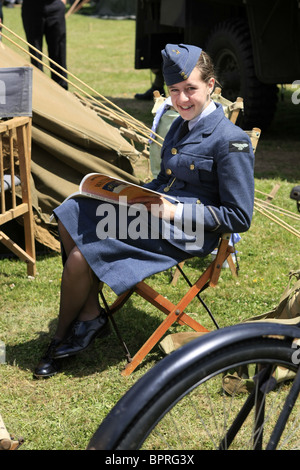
x=181 y=404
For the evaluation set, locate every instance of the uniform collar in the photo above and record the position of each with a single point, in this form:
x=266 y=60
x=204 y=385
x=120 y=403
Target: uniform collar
x=202 y=126
x=209 y=109
x=212 y=119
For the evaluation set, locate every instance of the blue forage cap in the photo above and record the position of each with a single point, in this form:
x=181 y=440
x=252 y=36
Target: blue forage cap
x=179 y=60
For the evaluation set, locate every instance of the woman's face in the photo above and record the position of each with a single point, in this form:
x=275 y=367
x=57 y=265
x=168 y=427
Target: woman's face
x=191 y=96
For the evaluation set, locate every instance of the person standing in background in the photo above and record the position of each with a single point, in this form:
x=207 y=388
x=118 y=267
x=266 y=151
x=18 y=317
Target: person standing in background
x=158 y=84
x=47 y=17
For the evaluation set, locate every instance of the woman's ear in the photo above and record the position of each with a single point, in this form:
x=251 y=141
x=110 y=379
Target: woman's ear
x=211 y=85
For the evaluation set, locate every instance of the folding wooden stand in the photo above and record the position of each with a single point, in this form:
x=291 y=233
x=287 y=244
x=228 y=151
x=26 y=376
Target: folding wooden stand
x=175 y=313
x=17 y=132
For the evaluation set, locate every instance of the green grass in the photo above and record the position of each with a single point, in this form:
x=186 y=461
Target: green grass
x=63 y=412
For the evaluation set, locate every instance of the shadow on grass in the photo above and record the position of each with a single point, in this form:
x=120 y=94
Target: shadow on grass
x=278 y=149
x=134 y=324
x=140 y=110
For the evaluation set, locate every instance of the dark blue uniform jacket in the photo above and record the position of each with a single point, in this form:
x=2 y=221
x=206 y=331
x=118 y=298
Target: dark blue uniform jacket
x=212 y=165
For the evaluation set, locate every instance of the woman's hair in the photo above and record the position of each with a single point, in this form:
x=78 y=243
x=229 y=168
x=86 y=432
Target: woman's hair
x=206 y=67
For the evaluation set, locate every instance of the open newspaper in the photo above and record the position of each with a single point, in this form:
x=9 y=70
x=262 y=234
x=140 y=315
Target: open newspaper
x=108 y=188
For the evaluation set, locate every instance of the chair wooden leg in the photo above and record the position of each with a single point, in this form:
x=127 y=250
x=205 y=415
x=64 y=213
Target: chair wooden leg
x=223 y=252
x=176 y=274
x=16 y=249
x=232 y=266
x=171 y=318
x=175 y=313
x=167 y=307
x=23 y=141
x=224 y=247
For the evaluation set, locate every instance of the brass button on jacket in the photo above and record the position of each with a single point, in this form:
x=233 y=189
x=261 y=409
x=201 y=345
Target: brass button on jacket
x=173 y=151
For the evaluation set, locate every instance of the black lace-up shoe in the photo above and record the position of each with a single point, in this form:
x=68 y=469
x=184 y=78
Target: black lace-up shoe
x=82 y=335
x=47 y=367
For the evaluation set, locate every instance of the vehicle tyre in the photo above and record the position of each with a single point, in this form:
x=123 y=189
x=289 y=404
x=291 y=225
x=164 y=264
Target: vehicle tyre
x=229 y=45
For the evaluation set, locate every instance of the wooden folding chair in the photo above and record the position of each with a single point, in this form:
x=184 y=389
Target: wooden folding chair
x=231 y=108
x=174 y=313
x=15 y=158
x=177 y=312
x=209 y=278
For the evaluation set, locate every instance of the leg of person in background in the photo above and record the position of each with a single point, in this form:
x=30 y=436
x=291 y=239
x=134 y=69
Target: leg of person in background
x=55 y=33
x=47 y=18
x=158 y=84
x=33 y=24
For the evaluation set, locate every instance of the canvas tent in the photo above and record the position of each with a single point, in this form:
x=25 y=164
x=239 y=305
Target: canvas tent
x=69 y=140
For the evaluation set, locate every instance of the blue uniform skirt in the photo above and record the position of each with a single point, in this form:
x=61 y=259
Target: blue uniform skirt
x=120 y=262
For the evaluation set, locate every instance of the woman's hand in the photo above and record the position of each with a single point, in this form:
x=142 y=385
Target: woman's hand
x=158 y=206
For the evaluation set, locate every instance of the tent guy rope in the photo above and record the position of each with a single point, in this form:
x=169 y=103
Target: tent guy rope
x=128 y=120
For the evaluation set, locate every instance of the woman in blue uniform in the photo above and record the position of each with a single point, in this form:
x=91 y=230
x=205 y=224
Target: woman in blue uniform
x=208 y=168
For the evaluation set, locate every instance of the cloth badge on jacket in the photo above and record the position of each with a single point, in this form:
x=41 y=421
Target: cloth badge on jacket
x=239 y=146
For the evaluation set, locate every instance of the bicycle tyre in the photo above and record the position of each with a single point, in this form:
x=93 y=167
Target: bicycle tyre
x=134 y=417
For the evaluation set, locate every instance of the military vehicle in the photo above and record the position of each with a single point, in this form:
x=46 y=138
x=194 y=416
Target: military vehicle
x=255 y=45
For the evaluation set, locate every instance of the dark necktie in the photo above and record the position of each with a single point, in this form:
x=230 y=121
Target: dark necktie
x=183 y=130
